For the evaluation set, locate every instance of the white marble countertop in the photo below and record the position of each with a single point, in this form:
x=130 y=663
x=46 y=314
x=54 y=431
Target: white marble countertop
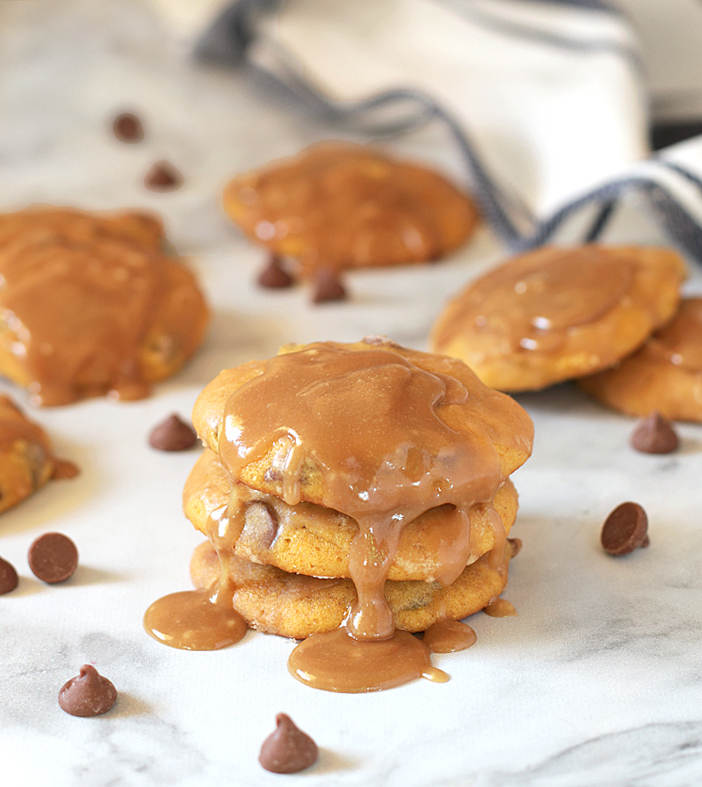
x=597 y=682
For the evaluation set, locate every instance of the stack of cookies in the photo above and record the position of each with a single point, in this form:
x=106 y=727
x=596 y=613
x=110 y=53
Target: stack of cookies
x=610 y=317
x=364 y=485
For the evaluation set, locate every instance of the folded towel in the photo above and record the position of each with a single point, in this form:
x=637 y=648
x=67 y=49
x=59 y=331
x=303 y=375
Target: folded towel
x=546 y=101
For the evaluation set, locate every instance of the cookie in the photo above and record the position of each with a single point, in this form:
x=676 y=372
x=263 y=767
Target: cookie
x=367 y=397
x=664 y=375
x=294 y=605
x=92 y=306
x=554 y=314
x=313 y=540
x=26 y=458
x=338 y=206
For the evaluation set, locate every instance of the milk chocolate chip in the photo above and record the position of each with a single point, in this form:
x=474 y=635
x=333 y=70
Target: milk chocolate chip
x=88 y=694
x=654 y=435
x=8 y=577
x=328 y=286
x=274 y=276
x=288 y=749
x=128 y=128
x=163 y=176
x=173 y=434
x=624 y=529
x=53 y=557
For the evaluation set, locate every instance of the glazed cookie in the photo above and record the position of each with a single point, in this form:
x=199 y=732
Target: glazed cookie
x=316 y=541
x=297 y=606
x=91 y=306
x=26 y=458
x=554 y=314
x=358 y=397
x=338 y=206
x=664 y=375
x=31 y=224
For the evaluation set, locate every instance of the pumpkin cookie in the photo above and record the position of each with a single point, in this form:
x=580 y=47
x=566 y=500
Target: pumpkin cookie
x=26 y=459
x=354 y=400
x=293 y=605
x=664 y=375
x=91 y=306
x=313 y=540
x=554 y=314
x=339 y=206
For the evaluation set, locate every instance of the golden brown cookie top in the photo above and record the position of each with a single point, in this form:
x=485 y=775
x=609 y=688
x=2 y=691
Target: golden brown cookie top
x=84 y=295
x=556 y=313
x=339 y=205
x=364 y=426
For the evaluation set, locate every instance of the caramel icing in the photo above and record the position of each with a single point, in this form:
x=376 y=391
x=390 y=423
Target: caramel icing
x=195 y=620
x=339 y=205
x=448 y=636
x=532 y=301
x=500 y=608
x=679 y=342
x=336 y=661
x=81 y=295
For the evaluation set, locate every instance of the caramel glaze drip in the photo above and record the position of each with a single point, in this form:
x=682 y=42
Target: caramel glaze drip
x=448 y=636
x=534 y=300
x=370 y=424
x=80 y=307
x=204 y=619
x=679 y=341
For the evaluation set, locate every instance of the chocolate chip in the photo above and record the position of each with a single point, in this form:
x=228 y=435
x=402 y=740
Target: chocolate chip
x=624 y=529
x=53 y=557
x=328 y=286
x=173 y=434
x=654 y=435
x=274 y=276
x=163 y=176
x=288 y=749
x=88 y=694
x=128 y=128
x=8 y=577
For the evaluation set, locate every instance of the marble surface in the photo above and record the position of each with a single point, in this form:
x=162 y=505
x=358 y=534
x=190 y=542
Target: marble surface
x=596 y=682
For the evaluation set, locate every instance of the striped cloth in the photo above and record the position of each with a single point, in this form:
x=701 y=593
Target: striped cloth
x=544 y=100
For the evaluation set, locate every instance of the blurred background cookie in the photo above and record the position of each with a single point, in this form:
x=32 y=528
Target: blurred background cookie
x=26 y=458
x=664 y=375
x=92 y=306
x=554 y=313
x=339 y=205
